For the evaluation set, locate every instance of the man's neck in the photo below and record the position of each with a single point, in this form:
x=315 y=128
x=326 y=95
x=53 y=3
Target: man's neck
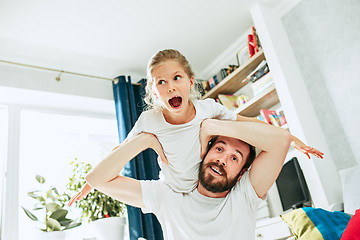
x=207 y=193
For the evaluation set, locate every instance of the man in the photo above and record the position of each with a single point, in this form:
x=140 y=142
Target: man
x=224 y=204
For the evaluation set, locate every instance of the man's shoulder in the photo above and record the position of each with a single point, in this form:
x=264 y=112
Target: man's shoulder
x=243 y=184
x=155 y=186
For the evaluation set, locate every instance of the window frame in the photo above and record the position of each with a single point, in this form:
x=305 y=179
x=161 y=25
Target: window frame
x=25 y=99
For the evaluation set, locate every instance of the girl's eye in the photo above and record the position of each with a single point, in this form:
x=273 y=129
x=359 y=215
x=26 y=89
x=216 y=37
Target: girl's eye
x=161 y=82
x=177 y=77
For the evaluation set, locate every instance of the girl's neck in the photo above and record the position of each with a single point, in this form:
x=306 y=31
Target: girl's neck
x=186 y=115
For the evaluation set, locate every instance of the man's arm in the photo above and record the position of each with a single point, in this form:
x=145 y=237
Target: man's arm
x=104 y=176
x=273 y=141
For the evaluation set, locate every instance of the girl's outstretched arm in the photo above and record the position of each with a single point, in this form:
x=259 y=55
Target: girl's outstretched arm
x=113 y=164
x=105 y=176
x=295 y=142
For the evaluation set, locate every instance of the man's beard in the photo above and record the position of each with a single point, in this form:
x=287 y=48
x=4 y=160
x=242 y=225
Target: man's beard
x=215 y=186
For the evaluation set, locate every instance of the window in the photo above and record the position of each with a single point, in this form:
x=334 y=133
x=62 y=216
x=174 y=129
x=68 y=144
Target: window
x=3 y=150
x=49 y=142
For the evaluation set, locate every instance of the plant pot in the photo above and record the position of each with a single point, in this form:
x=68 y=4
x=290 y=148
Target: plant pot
x=111 y=228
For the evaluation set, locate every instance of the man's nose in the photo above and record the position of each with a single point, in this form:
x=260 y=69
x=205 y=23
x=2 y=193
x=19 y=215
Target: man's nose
x=221 y=161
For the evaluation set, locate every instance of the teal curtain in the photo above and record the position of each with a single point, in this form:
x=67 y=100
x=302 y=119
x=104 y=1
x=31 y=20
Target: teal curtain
x=129 y=105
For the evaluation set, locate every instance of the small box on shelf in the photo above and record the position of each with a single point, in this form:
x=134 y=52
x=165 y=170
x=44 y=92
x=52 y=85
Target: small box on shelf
x=273 y=117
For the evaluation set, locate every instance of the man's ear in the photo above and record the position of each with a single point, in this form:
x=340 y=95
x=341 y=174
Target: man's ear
x=242 y=172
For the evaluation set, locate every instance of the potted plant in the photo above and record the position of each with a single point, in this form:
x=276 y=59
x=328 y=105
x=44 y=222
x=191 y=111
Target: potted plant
x=50 y=207
x=98 y=208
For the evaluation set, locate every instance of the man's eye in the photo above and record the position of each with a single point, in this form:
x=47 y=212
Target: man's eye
x=177 y=77
x=160 y=82
x=234 y=158
x=218 y=149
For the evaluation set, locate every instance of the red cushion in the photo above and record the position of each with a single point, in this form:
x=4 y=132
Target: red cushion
x=352 y=231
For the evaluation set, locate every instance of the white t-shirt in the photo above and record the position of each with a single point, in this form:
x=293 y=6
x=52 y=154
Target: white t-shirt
x=181 y=142
x=194 y=216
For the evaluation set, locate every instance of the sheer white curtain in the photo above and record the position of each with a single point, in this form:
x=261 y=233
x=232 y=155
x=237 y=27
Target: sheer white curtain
x=3 y=146
x=48 y=143
x=41 y=133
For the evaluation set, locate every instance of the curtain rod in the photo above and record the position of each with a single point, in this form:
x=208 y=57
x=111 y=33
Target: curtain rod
x=55 y=70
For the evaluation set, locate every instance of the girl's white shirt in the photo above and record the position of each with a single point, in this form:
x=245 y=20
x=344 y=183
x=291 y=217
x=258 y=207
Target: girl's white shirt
x=181 y=142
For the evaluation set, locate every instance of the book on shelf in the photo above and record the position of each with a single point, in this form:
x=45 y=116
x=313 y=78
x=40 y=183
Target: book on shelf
x=256 y=41
x=229 y=101
x=214 y=80
x=253 y=42
x=262 y=84
x=257 y=73
x=212 y=83
x=251 y=45
x=272 y=117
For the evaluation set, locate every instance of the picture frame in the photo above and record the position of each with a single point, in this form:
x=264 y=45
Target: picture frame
x=242 y=55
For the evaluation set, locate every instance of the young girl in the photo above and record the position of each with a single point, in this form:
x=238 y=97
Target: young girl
x=175 y=115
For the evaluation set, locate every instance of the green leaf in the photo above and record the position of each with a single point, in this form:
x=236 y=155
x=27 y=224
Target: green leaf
x=55 y=191
x=52 y=207
x=72 y=225
x=29 y=214
x=65 y=222
x=50 y=195
x=33 y=195
x=59 y=214
x=53 y=224
x=40 y=179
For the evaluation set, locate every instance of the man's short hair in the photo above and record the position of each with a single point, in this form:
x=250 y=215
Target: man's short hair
x=249 y=160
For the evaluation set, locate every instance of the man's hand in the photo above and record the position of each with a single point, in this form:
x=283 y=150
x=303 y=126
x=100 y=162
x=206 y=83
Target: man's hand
x=300 y=146
x=86 y=189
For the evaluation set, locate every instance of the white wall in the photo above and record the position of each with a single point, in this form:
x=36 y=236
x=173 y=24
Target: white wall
x=325 y=37
x=42 y=80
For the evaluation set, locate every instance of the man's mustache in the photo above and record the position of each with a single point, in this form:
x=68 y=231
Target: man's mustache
x=220 y=166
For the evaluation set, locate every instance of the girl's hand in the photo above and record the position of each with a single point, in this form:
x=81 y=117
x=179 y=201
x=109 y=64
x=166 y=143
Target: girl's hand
x=205 y=137
x=86 y=189
x=157 y=147
x=300 y=146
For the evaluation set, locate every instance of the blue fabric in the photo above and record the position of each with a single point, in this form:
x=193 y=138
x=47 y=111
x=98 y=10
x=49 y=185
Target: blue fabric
x=129 y=105
x=325 y=221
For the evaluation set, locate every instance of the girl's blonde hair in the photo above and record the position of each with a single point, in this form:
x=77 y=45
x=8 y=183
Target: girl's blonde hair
x=157 y=59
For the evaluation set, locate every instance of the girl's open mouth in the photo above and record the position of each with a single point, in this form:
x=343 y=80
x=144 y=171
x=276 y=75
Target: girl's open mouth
x=175 y=102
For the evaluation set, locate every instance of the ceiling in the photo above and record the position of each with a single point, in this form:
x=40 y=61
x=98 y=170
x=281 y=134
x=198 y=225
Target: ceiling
x=117 y=37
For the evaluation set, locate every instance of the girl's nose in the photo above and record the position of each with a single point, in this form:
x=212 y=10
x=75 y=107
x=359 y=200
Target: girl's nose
x=171 y=88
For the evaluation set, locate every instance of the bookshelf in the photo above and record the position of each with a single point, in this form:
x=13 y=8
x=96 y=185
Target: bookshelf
x=233 y=82
x=265 y=100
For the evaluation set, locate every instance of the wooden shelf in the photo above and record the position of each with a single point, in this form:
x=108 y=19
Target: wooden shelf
x=264 y=100
x=233 y=82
